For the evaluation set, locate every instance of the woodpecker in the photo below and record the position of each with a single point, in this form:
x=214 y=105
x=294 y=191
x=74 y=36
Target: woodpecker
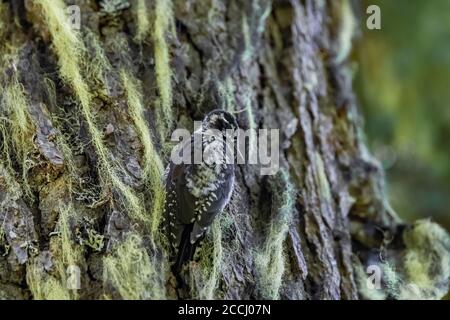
x=196 y=192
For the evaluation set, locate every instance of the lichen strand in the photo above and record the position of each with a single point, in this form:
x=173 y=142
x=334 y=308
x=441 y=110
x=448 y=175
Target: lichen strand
x=346 y=26
x=17 y=129
x=70 y=51
x=44 y=287
x=143 y=24
x=133 y=273
x=252 y=126
x=96 y=67
x=206 y=274
x=70 y=253
x=8 y=185
x=161 y=27
x=62 y=139
x=322 y=180
x=269 y=257
x=153 y=167
x=226 y=91
x=65 y=254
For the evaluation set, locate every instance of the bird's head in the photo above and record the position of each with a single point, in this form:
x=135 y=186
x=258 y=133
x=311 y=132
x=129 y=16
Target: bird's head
x=221 y=126
x=219 y=120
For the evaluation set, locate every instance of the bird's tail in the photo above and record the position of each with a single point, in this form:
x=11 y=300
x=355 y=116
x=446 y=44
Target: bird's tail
x=185 y=251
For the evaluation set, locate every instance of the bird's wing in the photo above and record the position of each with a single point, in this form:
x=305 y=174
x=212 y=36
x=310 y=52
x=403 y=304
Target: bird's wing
x=179 y=210
x=211 y=208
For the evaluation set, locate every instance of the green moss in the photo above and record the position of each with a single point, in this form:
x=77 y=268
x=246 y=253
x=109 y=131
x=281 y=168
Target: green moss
x=269 y=257
x=133 y=273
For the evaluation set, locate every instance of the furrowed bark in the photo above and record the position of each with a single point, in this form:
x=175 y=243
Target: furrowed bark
x=102 y=103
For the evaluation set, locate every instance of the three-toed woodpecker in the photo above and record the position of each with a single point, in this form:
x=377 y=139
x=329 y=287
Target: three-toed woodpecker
x=198 y=190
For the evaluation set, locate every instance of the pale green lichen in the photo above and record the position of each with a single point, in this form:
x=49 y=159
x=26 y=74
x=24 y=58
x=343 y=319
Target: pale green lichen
x=17 y=128
x=143 y=24
x=347 y=29
x=4 y=245
x=423 y=270
x=269 y=257
x=152 y=164
x=94 y=240
x=322 y=183
x=61 y=138
x=205 y=276
x=43 y=286
x=252 y=126
x=70 y=51
x=96 y=66
x=248 y=46
x=226 y=91
x=213 y=258
x=133 y=273
x=3 y=12
x=366 y=291
x=65 y=254
x=162 y=25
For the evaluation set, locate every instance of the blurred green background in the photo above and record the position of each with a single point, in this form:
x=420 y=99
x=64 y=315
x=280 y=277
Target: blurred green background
x=403 y=86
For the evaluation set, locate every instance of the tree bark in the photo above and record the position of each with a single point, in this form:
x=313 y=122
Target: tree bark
x=86 y=120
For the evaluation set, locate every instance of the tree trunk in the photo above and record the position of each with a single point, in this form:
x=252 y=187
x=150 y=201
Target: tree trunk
x=86 y=120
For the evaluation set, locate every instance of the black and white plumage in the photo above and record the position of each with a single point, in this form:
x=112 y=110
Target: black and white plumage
x=197 y=193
